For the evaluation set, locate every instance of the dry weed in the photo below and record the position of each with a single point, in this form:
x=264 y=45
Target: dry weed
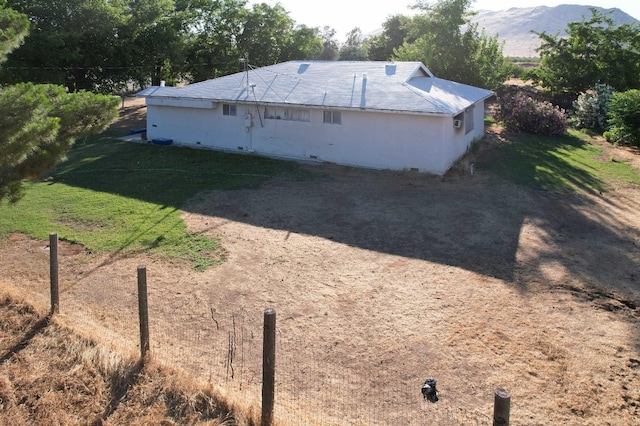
x=51 y=375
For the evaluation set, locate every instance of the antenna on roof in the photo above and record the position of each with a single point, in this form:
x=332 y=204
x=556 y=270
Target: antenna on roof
x=244 y=67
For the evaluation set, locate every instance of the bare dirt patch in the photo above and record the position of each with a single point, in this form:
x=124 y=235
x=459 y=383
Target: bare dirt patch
x=394 y=277
x=626 y=154
x=480 y=285
x=132 y=115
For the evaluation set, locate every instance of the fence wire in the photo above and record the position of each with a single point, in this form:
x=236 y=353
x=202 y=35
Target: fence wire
x=222 y=345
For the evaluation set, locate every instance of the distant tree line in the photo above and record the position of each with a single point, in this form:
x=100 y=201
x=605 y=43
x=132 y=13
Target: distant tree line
x=105 y=45
x=102 y=45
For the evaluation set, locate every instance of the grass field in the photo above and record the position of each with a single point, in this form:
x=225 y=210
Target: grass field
x=559 y=163
x=125 y=197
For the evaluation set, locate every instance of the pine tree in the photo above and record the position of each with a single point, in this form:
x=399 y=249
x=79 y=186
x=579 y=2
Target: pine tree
x=39 y=123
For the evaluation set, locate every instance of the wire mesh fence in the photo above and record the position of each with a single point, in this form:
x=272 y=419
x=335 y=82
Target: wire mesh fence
x=222 y=345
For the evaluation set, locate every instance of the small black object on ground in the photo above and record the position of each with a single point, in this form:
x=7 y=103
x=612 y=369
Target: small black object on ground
x=429 y=391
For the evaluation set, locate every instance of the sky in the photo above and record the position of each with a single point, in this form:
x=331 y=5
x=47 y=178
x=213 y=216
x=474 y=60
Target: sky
x=368 y=15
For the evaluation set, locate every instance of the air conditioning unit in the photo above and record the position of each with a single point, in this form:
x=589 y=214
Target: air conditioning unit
x=457 y=124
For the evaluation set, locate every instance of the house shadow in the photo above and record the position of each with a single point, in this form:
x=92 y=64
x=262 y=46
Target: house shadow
x=479 y=223
x=468 y=223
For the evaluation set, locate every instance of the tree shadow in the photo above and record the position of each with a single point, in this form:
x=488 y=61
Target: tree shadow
x=478 y=223
x=546 y=163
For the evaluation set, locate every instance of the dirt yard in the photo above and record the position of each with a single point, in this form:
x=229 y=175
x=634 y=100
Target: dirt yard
x=398 y=277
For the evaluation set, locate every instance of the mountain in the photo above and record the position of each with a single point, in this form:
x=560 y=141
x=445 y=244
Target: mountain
x=514 y=26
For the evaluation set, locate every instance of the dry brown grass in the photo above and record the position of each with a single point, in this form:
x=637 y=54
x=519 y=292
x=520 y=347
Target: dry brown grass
x=51 y=375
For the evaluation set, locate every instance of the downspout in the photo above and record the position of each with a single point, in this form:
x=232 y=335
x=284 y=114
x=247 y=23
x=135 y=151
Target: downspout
x=253 y=86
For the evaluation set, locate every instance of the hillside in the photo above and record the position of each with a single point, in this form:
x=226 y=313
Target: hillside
x=514 y=26
x=50 y=374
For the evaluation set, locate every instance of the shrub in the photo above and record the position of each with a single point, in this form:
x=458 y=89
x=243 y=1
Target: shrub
x=624 y=118
x=591 y=108
x=520 y=112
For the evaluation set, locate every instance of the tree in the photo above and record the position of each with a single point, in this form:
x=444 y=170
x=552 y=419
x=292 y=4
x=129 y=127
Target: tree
x=439 y=42
x=101 y=45
x=14 y=27
x=305 y=43
x=330 y=47
x=266 y=34
x=72 y=43
x=382 y=46
x=224 y=31
x=154 y=40
x=595 y=51
x=624 y=118
x=212 y=48
x=105 y=44
x=38 y=123
x=353 y=49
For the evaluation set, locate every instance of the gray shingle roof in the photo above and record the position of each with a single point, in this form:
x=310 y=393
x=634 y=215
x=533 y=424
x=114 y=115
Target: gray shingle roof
x=407 y=87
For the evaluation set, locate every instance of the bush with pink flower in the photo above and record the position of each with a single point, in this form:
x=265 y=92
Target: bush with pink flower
x=519 y=112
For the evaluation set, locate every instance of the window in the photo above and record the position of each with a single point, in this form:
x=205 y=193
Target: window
x=468 y=119
x=332 y=117
x=289 y=114
x=228 y=109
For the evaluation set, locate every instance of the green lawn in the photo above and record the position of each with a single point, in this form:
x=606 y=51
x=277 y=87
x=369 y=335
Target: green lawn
x=125 y=197
x=558 y=163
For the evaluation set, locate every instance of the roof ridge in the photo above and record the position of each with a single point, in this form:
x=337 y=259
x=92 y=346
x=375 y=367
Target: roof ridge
x=421 y=93
x=408 y=87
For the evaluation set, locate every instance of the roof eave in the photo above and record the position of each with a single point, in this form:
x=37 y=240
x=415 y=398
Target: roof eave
x=330 y=107
x=311 y=106
x=484 y=98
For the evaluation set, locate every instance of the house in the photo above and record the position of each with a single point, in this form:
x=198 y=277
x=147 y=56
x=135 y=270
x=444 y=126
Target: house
x=379 y=115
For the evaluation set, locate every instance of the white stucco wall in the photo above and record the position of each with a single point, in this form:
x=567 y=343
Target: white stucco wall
x=195 y=126
x=459 y=140
x=365 y=139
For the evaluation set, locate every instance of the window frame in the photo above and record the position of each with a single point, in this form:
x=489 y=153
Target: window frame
x=331 y=117
x=300 y=115
x=229 y=110
x=468 y=119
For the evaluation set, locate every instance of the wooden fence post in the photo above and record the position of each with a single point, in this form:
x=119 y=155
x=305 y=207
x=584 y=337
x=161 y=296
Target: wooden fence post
x=143 y=311
x=268 y=366
x=53 y=272
x=501 y=407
